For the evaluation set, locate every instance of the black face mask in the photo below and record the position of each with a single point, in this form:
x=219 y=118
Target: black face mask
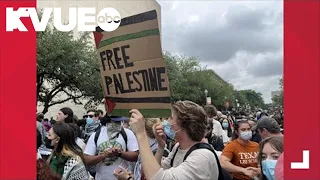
x=48 y=143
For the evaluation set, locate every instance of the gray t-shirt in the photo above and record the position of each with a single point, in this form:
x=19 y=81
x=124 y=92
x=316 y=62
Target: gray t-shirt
x=201 y=164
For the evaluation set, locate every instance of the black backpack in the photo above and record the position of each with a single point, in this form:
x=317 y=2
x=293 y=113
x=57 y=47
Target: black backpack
x=122 y=132
x=216 y=142
x=223 y=174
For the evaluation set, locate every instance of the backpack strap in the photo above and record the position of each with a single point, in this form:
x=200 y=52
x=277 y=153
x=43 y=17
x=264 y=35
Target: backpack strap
x=96 y=136
x=125 y=137
x=174 y=155
x=206 y=146
x=122 y=132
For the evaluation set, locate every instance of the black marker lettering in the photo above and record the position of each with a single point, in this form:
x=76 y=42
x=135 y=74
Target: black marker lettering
x=108 y=83
x=153 y=79
x=136 y=79
x=117 y=85
x=125 y=57
x=116 y=58
x=103 y=58
x=130 y=82
x=109 y=57
x=161 y=70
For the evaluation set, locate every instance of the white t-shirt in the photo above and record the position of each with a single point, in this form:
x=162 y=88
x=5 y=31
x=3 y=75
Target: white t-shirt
x=80 y=143
x=104 y=169
x=218 y=131
x=201 y=164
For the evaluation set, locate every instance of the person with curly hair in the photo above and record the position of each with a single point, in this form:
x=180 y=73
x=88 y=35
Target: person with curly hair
x=188 y=127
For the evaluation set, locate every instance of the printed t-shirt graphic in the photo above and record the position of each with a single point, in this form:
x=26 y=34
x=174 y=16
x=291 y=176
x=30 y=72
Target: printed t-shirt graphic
x=108 y=145
x=242 y=156
x=104 y=169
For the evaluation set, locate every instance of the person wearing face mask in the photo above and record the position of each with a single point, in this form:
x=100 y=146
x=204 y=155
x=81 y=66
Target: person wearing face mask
x=110 y=147
x=217 y=130
x=270 y=151
x=226 y=126
x=92 y=123
x=66 y=159
x=239 y=157
x=188 y=127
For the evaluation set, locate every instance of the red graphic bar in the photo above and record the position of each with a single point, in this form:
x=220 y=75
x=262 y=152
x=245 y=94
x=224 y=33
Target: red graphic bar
x=17 y=97
x=301 y=89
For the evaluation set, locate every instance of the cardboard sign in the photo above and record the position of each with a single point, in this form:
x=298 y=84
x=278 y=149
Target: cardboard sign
x=133 y=71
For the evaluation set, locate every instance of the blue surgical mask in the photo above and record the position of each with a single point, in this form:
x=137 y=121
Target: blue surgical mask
x=246 y=135
x=225 y=125
x=268 y=167
x=90 y=121
x=167 y=130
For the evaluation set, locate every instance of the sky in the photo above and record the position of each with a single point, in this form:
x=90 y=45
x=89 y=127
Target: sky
x=242 y=41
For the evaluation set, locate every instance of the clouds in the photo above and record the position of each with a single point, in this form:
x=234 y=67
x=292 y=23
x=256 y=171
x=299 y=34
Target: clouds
x=240 y=40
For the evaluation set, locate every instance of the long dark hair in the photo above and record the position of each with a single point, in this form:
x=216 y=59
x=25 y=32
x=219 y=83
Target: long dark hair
x=76 y=129
x=69 y=112
x=236 y=126
x=39 y=139
x=276 y=143
x=66 y=145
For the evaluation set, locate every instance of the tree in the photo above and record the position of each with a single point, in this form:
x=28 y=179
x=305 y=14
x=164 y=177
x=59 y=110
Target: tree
x=250 y=97
x=67 y=69
x=278 y=99
x=188 y=80
x=254 y=98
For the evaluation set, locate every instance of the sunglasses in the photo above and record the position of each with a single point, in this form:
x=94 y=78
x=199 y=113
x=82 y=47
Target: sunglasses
x=86 y=116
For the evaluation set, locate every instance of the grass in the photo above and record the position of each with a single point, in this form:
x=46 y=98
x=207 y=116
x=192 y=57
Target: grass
x=147 y=113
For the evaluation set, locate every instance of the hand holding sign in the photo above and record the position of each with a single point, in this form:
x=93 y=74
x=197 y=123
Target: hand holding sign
x=137 y=122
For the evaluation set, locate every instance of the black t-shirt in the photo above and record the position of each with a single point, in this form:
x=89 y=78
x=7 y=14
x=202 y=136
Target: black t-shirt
x=256 y=138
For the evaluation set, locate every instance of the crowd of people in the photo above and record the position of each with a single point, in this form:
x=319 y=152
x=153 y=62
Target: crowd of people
x=195 y=143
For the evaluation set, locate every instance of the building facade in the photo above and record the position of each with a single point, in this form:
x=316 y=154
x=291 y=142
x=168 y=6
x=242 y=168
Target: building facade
x=125 y=7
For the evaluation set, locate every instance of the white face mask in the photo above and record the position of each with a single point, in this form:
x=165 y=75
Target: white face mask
x=246 y=135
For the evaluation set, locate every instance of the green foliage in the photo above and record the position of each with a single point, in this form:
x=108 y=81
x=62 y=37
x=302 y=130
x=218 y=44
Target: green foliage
x=66 y=65
x=188 y=80
x=278 y=100
x=68 y=69
x=250 y=97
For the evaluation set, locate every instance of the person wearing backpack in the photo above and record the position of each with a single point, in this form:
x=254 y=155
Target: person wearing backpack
x=189 y=159
x=217 y=129
x=92 y=123
x=109 y=147
x=214 y=140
